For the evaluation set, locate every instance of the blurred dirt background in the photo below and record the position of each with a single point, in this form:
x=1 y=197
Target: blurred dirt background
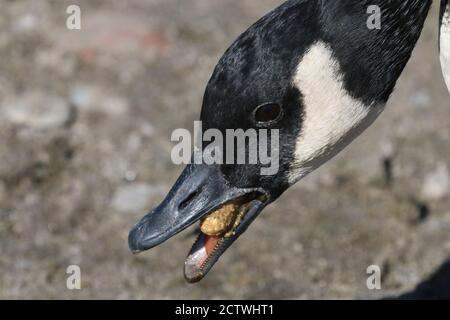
x=85 y=124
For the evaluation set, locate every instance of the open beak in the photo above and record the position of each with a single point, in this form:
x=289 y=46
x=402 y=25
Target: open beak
x=200 y=193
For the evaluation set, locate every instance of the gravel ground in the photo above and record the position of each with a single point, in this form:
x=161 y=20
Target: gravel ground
x=85 y=124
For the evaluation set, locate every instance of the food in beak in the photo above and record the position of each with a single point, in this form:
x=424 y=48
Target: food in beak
x=217 y=229
x=222 y=220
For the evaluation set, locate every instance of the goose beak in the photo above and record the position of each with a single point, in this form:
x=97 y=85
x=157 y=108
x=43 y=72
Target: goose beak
x=199 y=192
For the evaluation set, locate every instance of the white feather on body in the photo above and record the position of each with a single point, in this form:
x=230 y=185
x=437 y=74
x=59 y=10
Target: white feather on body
x=445 y=45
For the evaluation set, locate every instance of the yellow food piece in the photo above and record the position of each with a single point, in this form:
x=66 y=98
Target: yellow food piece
x=220 y=221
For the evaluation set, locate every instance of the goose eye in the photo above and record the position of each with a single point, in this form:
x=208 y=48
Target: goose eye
x=266 y=113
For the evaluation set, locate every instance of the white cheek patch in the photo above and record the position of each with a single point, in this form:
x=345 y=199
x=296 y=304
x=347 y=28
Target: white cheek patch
x=331 y=118
x=445 y=46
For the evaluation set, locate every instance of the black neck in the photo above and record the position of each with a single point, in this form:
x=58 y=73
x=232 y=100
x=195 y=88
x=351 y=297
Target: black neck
x=373 y=59
x=445 y=7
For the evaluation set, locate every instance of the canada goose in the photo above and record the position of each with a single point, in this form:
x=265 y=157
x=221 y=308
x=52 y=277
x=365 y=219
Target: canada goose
x=312 y=69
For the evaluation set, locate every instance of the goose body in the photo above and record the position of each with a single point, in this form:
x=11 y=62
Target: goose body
x=444 y=40
x=316 y=73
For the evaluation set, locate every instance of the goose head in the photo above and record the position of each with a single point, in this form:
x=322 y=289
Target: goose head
x=315 y=73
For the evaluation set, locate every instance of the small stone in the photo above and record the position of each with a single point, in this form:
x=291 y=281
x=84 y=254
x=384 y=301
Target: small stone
x=38 y=111
x=135 y=197
x=134 y=142
x=421 y=99
x=93 y=99
x=25 y=23
x=114 y=105
x=147 y=130
x=130 y=176
x=437 y=183
x=82 y=96
x=387 y=149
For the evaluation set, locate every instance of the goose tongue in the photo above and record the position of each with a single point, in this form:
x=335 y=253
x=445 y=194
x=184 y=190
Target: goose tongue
x=201 y=251
x=207 y=249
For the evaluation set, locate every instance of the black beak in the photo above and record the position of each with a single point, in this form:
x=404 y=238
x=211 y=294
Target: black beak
x=199 y=190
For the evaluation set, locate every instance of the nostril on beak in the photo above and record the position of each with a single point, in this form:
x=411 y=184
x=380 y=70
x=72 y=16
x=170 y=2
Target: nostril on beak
x=189 y=199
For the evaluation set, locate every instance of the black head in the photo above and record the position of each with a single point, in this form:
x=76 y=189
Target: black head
x=275 y=76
